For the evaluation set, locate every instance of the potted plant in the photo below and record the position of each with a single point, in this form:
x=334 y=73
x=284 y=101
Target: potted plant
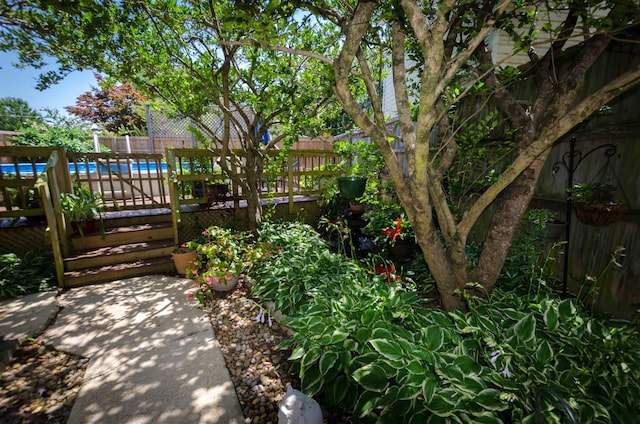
x=389 y=226
x=213 y=188
x=183 y=257
x=216 y=188
x=218 y=263
x=597 y=203
x=361 y=160
x=217 y=191
x=81 y=208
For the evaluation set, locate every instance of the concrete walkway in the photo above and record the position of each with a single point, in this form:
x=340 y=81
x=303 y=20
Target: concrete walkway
x=153 y=356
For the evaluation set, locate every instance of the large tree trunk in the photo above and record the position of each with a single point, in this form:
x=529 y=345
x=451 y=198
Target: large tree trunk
x=252 y=185
x=254 y=210
x=511 y=205
x=450 y=274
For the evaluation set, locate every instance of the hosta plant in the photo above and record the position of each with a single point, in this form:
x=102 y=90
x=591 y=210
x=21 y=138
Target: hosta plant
x=372 y=347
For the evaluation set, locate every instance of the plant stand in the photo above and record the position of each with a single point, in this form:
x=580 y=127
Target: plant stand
x=570 y=162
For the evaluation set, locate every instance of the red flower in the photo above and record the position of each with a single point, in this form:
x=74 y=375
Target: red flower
x=393 y=232
x=387 y=271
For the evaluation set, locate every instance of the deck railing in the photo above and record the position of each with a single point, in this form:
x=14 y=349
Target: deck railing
x=32 y=180
x=47 y=186
x=20 y=168
x=287 y=174
x=125 y=180
x=144 y=181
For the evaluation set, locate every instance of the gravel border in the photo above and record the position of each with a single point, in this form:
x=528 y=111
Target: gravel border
x=258 y=368
x=40 y=384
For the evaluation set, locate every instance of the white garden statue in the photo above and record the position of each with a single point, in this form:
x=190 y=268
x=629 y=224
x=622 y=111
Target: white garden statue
x=298 y=408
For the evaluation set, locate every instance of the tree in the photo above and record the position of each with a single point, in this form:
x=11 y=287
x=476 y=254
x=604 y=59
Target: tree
x=55 y=130
x=16 y=114
x=115 y=106
x=194 y=64
x=175 y=52
x=448 y=42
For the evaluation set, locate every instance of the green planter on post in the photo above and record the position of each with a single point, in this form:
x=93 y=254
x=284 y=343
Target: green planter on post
x=352 y=187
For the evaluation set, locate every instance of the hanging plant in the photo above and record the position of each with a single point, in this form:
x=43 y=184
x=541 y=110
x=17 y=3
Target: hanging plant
x=597 y=203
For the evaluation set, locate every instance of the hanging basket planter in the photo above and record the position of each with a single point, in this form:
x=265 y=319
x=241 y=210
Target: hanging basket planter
x=352 y=187
x=599 y=215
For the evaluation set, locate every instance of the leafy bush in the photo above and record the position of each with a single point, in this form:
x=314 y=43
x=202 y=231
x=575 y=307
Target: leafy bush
x=57 y=131
x=32 y=273
x=298 y=266
x=372 y=347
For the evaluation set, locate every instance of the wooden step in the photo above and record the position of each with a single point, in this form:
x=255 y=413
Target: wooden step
x=145 y=216
x=115 y=272
x=110 y=255
x=122 y=235
x=132 y=244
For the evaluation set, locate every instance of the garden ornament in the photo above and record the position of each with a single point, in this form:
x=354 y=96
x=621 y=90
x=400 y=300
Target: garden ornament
x=298 y=408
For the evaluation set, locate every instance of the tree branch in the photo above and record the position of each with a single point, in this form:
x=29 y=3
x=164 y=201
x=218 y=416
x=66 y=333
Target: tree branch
x=549 y=134
x=402 y=97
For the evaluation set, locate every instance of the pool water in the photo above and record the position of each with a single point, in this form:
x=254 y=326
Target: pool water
x=27 y=168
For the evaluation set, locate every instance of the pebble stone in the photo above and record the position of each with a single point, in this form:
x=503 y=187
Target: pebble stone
x=41 y=384
x=258 y=368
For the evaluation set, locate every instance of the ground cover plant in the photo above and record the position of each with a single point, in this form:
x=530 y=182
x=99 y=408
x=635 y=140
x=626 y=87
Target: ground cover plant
x=31 y=273
x=373 y=347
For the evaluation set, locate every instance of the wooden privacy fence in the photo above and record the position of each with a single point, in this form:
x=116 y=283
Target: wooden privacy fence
x=161 y=143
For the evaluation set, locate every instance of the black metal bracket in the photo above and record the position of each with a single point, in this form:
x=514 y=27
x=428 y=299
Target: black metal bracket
x=570 y=162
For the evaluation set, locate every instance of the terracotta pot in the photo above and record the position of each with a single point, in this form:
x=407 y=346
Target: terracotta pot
x=84 y=227
x=183 y=257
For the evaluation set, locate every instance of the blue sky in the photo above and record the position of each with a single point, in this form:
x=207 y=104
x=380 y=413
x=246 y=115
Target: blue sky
x=21 y=83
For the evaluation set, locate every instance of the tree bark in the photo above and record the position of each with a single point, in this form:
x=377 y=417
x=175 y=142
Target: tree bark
x=552 y=113
x=511 y=205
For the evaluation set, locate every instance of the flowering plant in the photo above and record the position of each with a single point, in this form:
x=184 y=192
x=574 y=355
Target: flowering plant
x=220 y=260
x=388 y=224
x=388 y=271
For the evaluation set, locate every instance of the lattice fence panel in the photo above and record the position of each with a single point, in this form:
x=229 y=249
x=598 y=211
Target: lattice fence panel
x=20 y=240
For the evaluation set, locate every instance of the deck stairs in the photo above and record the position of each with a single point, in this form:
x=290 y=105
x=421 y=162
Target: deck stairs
x=132 y=245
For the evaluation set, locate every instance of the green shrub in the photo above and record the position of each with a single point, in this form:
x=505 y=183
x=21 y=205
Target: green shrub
x=32 y=273
x=372 y=347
